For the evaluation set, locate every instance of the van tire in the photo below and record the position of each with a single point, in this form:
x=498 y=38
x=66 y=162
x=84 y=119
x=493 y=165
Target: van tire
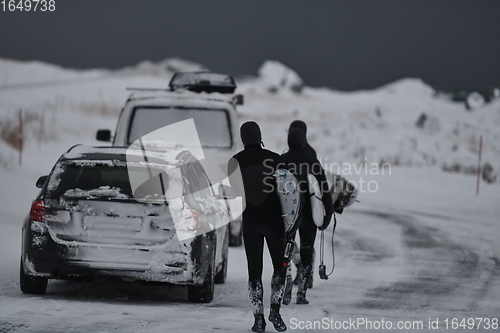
x=205 y=292
x=32 y=284
x=221 y=276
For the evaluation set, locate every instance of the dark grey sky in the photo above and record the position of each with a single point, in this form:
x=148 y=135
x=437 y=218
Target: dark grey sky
x=347 y=44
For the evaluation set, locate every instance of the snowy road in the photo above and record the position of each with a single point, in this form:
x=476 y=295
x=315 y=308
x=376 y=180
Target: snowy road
x=402 y=263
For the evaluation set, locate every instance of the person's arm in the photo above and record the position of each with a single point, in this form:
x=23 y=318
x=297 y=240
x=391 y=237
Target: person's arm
x=235 y=177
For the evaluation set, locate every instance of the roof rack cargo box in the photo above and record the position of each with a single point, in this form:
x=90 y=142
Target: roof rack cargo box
x=203 y=82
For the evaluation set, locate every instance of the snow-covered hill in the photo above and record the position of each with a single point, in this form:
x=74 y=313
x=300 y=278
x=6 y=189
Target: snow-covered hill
x=402 y=123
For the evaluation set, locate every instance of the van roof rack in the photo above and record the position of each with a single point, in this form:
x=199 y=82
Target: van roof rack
x=203 y=82
x=147 y=89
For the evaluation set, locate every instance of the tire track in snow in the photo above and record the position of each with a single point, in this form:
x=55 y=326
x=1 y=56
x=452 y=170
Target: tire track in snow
x=442 y=273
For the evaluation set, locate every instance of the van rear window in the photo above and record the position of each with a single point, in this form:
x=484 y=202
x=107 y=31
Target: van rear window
x=212 y=125
x=97 y=180
x=102 y=180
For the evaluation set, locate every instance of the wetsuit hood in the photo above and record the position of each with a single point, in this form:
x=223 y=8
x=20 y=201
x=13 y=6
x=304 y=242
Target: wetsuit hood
x=250 y=133
x=296 y=139
x=299 y=124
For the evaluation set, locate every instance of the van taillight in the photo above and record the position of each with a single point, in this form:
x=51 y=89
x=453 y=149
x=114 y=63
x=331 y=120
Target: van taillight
x=37 y=212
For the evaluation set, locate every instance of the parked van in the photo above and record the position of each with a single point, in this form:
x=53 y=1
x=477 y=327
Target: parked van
x=207 y=98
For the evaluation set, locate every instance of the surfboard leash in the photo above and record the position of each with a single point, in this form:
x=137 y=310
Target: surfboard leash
x=322 y=267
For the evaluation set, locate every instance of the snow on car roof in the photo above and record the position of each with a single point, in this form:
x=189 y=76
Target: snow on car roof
x=166 y=99
x=89 y=153
x=180 y=94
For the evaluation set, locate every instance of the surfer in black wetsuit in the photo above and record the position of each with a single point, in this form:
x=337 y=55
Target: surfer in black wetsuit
x=262 y=221
x=307 y=148
x=301 y=164
x=296 y=257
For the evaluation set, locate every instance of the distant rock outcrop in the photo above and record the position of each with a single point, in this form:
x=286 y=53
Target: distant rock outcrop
x=474 y=101
x=413 y=86
x=275 y=76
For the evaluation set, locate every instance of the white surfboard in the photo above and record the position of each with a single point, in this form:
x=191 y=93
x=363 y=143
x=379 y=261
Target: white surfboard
x=317 y=207
x=288 y=191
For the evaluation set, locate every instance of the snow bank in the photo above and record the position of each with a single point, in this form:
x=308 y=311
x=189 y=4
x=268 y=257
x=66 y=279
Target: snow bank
x=274 y=76
x=164 y=68
x=401 y=123
x=411 y=87
x=16 y=73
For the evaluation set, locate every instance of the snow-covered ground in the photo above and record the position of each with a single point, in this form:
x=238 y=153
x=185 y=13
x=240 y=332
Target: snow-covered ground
x=419 y=246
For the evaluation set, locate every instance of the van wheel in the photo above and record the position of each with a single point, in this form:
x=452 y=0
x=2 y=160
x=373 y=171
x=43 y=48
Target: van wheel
x=221 y=276
x=235 y=234
x=205 y=292
x=32 y=284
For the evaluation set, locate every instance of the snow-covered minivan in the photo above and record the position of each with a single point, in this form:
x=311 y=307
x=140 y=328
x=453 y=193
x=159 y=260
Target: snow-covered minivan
x=207 y=98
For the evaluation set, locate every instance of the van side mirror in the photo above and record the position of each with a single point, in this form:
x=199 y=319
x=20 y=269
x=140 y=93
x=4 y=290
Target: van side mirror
x=226 y=192
x=103 y=135
x=41 y=181
x=238 y=100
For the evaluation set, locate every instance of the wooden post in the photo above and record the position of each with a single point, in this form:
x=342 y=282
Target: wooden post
x=21 y=143
x=42 y=125
x=479 y=164
x=54 y=109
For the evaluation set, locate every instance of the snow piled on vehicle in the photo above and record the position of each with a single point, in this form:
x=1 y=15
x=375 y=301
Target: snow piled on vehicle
x=102 y=191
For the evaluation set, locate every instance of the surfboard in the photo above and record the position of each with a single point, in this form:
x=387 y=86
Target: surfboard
x=287 y=188
x=344 y=193
x=317 y=207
